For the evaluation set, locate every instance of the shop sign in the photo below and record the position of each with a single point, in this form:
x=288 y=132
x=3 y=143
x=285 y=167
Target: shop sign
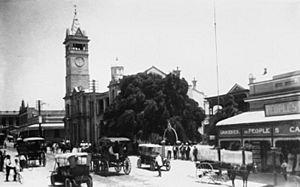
x=257 y=131
x=290 y=129
x=229 y=132
x=292 y=107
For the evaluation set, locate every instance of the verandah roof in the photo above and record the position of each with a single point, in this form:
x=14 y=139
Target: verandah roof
x=256 y=117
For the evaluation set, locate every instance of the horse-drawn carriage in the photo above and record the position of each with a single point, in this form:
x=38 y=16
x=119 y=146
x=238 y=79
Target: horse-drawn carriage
x=104 y=158
x=72 y=169
x=219 y=165
x=148 y=153
x=33 y=148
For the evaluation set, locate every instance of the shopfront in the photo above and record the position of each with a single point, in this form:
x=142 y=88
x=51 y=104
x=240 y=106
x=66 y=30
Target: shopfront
x=258 y=133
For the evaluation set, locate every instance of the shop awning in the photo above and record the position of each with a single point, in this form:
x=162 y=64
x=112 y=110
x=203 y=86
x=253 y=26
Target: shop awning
x=256 y=117
x=45 y=126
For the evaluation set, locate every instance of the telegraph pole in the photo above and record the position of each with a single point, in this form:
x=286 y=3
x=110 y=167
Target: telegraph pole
x=94 y=111
x=40 y=118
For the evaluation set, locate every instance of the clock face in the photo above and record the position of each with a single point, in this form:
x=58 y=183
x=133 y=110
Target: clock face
x=79 y=61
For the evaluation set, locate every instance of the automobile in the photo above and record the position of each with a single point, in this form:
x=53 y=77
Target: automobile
x=102 y=160
x=148 y=153
x=71 y=169
x=33 y=148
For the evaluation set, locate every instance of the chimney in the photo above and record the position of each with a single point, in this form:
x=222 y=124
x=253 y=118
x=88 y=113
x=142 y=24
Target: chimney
x=251 y=78
x=194 y=83
x=177 y=72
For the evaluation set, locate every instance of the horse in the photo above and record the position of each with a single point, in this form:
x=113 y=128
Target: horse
x=240 y=170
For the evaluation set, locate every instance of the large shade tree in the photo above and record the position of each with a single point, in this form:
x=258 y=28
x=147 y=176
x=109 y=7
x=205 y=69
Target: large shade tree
x=228 y=110
x=147 y=102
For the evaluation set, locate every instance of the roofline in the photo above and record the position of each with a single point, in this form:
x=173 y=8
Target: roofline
x=271 y=97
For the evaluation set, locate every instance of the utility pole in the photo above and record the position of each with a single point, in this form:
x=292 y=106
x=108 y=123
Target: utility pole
x=40 y=118
x=94 y=111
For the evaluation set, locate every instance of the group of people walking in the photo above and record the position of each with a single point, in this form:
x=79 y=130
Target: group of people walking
x=7 y=164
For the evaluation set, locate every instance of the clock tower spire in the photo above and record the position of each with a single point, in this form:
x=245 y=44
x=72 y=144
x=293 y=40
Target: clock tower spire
x=76 y=46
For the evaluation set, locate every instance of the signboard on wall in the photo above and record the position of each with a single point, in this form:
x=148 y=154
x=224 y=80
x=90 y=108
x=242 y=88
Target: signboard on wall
x=257 y=131
x=277 y=109
x=287 y=129
x=229 y=133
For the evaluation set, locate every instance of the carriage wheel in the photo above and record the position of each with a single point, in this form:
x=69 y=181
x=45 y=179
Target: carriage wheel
x=104 y=166
x=89 y=183
x=205 y=169
x=127 y=166
x=68 y=182
x=168 y=165
x=152 y=166
x=139 y=163
x=52 y=180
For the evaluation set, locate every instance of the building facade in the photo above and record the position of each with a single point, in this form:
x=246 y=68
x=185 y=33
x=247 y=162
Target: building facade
x=83 y=105
x=273 y=121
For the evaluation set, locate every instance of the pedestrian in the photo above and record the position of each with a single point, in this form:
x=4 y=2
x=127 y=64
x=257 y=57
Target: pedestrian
x=175 y=152
x=158 y=161
x=169 y=152
x=187 y=151
x=1 y=161
x=181 y=149
x=283 y=169
x=22 y=162
x=195 y=153
x=9 y=166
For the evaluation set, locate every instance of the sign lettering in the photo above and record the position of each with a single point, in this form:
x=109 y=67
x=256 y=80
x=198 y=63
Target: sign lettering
x=292 y=107
x=229 y=132
x=257 y=131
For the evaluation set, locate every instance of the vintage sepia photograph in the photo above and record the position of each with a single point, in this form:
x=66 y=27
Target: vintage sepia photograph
x=154 y=93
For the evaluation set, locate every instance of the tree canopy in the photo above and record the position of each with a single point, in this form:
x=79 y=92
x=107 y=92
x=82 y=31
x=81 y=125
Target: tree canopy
x=229 y=109
x=145 y=104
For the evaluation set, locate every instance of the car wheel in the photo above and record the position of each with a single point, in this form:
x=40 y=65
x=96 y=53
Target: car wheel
x=89 y=183
x=52 y=179
x=168 y=165
x=127 y=166
x=68 y=183
x=152 y=166
x=139 y=163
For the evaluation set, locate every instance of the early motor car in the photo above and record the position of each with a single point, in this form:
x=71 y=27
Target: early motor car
x=33 y=148
x=71 y=169
x=148 y=153
x=102 y=160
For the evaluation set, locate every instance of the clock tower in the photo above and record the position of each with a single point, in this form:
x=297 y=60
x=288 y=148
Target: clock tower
x=77 y=70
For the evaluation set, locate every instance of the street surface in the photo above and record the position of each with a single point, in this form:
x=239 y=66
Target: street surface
x=182 y=173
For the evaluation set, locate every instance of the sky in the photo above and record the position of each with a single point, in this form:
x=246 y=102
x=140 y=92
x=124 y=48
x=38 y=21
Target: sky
x=250 y=35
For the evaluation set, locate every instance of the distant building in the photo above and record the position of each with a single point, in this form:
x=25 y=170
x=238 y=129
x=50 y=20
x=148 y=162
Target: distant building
x=51 y=121
x=8 y=120
x=238 y=92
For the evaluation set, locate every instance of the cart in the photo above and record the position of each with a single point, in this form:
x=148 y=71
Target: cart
x=102 y=160
x=33 y=148
x=218 y=166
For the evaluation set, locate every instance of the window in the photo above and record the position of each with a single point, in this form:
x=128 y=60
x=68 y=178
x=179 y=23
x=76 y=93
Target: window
x=279 y=84
x=289 y=83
